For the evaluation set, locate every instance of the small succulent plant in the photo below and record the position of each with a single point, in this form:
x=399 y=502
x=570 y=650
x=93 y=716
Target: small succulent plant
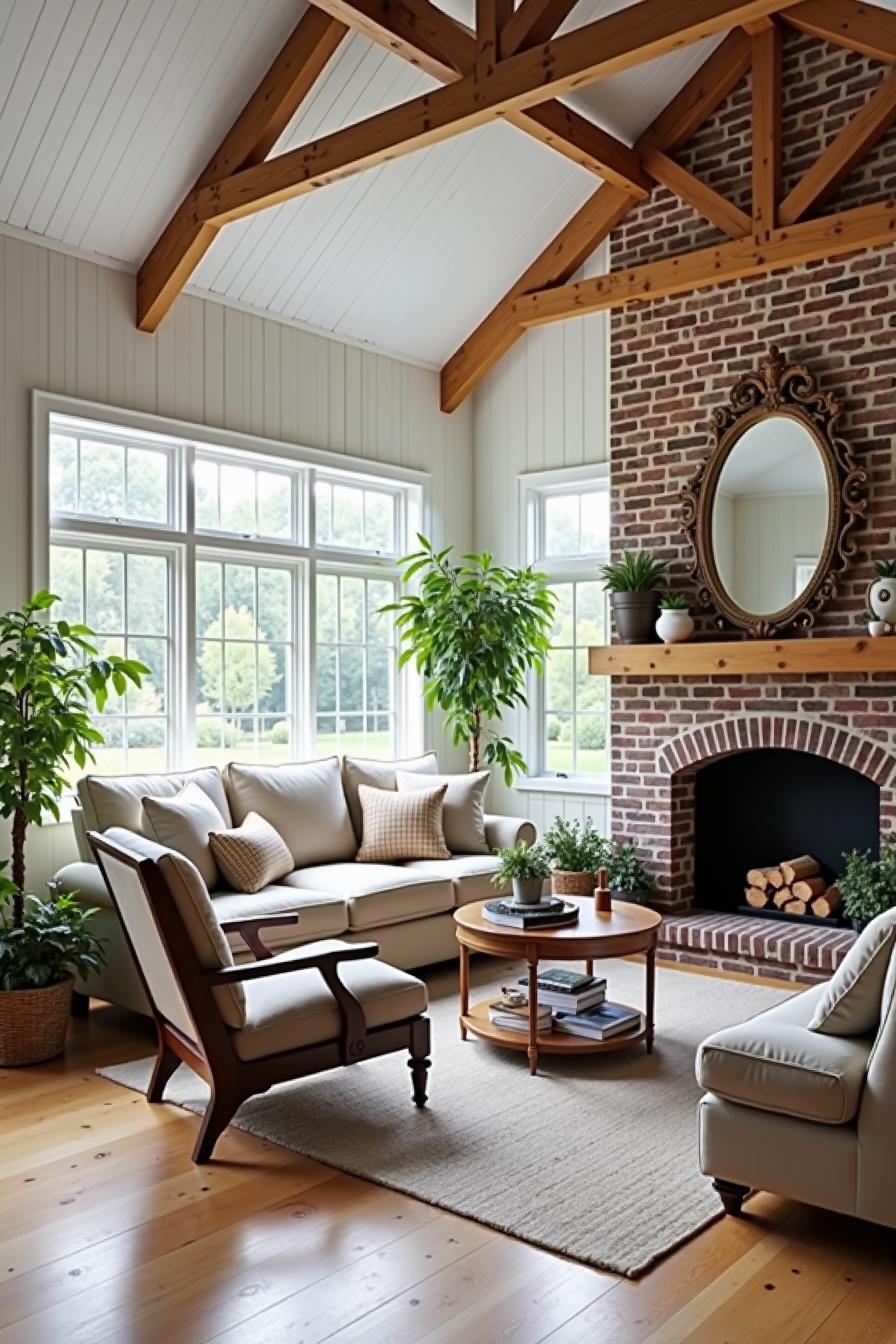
x=674 y=602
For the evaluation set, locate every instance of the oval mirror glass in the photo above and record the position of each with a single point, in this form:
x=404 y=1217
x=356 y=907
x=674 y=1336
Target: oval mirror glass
x=770 y=515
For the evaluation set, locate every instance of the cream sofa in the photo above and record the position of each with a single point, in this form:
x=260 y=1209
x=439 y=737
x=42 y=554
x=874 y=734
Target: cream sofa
x=406 y=908
x=801 y=1113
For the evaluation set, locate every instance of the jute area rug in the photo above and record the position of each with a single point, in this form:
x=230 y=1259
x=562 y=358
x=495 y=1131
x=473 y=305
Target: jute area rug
x=595 y=1158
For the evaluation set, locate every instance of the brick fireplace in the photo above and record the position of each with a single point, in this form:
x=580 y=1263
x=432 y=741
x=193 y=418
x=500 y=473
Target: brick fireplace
x=673 y=361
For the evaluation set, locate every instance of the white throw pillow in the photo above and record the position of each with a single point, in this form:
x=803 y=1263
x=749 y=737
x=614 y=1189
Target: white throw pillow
x=379 y=775
x=304 y=803
x=463 y=817
x=251 y=856
x=851 y=1003
x=183 y=823
x=399 y=826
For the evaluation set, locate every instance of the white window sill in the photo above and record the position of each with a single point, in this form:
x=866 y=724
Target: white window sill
x=596 y=785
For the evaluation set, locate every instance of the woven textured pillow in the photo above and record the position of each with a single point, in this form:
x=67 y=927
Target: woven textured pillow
x=253 y=855
x=402 y=825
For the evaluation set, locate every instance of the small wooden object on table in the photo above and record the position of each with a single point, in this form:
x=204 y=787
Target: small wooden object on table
x=623 y=931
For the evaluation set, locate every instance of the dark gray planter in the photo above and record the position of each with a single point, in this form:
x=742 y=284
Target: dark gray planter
x=638 y=897
x=636 y=616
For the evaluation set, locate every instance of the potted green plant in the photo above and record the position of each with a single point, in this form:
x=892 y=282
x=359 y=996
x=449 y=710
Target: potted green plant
x=675 y=623
x=474 y=631
x=577 y=853
x=525 y=867
x=882 y=592
x=629 y=879
x=868 y=886
x=51 y=676
x=633 y=584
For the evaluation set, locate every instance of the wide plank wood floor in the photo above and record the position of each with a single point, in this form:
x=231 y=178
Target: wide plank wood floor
x=109 y=1233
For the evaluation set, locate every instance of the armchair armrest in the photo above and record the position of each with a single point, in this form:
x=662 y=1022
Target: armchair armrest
x=504 y=832
x=298 y=961
x=250 y=931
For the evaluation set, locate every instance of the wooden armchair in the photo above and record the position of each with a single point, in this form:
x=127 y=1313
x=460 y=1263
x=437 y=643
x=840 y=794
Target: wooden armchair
x=245 y=1027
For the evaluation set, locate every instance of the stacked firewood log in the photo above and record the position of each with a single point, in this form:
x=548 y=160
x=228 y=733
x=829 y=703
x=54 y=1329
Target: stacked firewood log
x=795 y=886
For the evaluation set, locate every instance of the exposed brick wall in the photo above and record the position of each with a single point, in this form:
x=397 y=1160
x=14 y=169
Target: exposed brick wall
x=674 y=360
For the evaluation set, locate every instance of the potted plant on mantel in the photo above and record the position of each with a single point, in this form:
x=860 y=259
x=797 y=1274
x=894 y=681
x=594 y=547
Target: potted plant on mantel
x=474 y=631
x=868 y=886
x=525 y=867
x=577 y=854
x=50 y=678
x=634 y=585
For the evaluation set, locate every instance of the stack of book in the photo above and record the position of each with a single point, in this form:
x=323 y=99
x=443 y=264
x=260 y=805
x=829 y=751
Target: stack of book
x=600 y=1022
x=570 y=991
x=549 y=911
x=512 y=1015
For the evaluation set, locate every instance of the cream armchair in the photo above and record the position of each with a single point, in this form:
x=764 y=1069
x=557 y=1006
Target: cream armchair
x=802 y=1113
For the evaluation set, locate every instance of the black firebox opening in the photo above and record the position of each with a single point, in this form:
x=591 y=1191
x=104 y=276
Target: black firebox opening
x=758 y=808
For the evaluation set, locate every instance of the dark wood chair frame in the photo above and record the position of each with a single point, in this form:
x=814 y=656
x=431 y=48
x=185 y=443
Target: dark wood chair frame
x=212 y=1056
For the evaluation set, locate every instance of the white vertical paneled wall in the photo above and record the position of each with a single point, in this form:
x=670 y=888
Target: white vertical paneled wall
x=544 y=406
x=67 y=326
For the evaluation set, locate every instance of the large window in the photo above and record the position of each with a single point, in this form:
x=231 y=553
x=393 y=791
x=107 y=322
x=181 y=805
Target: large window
x=566 y=518
x=250 y=581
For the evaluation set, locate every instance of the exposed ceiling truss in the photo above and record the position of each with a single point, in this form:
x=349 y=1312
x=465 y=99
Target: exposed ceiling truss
x=513 y=67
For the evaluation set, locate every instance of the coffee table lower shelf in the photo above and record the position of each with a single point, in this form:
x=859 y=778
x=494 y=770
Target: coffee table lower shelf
x=555 y=1042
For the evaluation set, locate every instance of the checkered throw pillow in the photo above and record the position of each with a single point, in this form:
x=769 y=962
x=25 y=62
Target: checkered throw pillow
x=402 y=825
x=251 y=856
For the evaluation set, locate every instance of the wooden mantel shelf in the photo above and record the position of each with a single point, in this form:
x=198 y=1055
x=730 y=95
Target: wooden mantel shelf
x=697 y=658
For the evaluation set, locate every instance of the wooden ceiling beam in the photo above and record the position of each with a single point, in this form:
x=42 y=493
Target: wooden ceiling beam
x=187 y=238
x=534 y=22
x=696 y=193
x=608 y=46
x=578 y=139
x=596 y=219
x=847 y=149
x=492 y=17
x=847 y=23
x=812 y=240
x=766 y=128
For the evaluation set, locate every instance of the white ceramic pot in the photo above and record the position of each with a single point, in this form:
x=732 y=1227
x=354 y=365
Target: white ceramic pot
x=675 y=626
x=878 y=628
x=882 y=600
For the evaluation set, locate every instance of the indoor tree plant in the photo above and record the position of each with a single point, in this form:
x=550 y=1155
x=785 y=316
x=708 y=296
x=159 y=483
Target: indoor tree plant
x=525 y=867
x=577 y=854
x=51 y=676
x=474 y=631
x=634 y=584
x=868 y=886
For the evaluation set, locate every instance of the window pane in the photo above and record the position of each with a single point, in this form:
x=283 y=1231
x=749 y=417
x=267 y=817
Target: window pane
x=147 y=594
x=273 y=678
x=351 y=679
x=380 y=740
x=326 y=680
x=63 y=473
x=105 y=591
x=205 y=482
x=147 y=485
x=596 y=522
x=67 y=580
x=348 y=515
x=274 y=504
x=273 y=604
x=152 y=696
x=379 y=679
x=561 y=525
x=351 y=611
x=240 y=690
x=559 y=680
x=239 y=602
x=379 y=520
x=559 y=752
x=274 y=740
x=563 y=631
x=208 y=598
x=146 y=745
x=102 y=479
x=590 y=608
x=323 y=512
x=591 y=692
x=327 y=597
x=591 y=742
x=380 y=626
x=209 y=675
x=237 y=499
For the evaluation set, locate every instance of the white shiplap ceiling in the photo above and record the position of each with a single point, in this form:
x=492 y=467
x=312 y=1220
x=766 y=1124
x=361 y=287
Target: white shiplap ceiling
x=109 y=109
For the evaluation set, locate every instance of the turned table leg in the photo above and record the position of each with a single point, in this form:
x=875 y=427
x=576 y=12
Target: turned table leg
x=650 y=961
x=532 y=958
x=464 y=987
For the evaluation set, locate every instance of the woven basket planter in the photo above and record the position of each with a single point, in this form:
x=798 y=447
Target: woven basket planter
x=33 y=1023
x=564 y=882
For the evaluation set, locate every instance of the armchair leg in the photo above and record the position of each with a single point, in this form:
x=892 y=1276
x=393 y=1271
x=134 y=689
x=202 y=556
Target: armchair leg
x=419 y=1061
x=165 y=1065
x=731 y=1195
x=220 y=1111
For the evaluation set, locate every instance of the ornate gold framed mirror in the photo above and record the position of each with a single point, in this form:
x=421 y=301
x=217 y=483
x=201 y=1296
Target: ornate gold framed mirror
x=772 y=511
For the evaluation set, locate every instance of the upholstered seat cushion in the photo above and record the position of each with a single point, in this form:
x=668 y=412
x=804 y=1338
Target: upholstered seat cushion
x=470 y=875
x=377 y=893
x=286 y=1012
x=774 y=1063
x=320 y=915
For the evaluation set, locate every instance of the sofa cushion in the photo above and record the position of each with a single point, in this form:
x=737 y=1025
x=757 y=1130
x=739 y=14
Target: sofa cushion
x=400 y=826
x=379 y=775
x=851 y=1003
x=470 y=874
x=463 y=815
x=184 y=823
x=304 y=802
x=321 y=915
x=117 y=800
x=774 y=1063
x=287 y=1012
x=251 y=856
x=378 y=893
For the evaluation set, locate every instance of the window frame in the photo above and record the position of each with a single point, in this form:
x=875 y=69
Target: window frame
x=186 y=543
x=535 y=488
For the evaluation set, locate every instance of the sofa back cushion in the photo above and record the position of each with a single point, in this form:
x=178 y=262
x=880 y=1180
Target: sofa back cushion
x=117 y=800
x=184 y=823
x=851 y=1003
x=463 y=816
x=303 y=802
x=379 y=775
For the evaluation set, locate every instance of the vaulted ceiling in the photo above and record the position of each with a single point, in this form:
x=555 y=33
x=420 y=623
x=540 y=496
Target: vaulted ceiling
x=110 y=109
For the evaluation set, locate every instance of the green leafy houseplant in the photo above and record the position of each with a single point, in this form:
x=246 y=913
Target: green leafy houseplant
x=885 y=569
x=674 y=602
x=51 y=676
x=868 y=886
x=521 y=861
x=577 y=853
x=636 y=572
x=474 y=631
x=627 y=873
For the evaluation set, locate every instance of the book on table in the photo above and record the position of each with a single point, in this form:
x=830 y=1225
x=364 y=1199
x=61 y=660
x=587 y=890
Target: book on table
x=554 y=912
x=601 y=1022
x=567 y=989
x=515 y=1017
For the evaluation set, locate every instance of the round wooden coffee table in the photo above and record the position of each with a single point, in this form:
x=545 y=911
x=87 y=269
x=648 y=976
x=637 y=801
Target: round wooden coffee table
x=622 y=931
